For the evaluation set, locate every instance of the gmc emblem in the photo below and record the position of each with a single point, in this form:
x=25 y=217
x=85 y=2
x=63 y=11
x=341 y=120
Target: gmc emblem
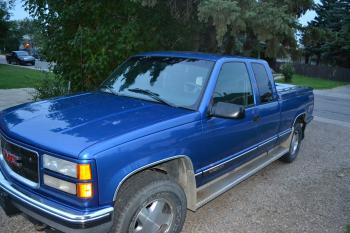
x=12 y=159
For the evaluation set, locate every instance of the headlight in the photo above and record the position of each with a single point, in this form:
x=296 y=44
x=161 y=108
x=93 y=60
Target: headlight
x=59 y=184
x=82 y=172
x=61 y=166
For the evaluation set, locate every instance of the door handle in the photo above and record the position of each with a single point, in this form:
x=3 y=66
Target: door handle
x=256 y=118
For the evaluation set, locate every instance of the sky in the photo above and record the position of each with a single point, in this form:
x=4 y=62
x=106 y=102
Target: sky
x=19 y=13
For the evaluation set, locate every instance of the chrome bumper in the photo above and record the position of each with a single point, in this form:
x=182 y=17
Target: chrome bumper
x=63 y=220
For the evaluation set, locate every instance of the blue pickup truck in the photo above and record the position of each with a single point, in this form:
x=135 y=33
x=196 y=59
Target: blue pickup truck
x=166 y=132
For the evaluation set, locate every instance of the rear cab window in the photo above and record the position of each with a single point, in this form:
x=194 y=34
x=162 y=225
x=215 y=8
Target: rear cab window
x=263 y=82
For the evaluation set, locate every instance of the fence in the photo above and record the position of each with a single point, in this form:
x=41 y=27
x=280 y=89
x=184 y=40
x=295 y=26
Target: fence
x=323 y=72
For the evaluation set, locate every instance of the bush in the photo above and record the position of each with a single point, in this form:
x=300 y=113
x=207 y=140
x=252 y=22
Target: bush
x=287 y=70
x=50 y=87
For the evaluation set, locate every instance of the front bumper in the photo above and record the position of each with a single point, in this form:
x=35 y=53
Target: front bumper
x=56 y=217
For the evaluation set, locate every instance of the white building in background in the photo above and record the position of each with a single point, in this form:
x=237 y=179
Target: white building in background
x=27 y=44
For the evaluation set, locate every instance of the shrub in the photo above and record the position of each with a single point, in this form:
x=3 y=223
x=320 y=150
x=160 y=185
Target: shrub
x=287 y=70
x=50 y=87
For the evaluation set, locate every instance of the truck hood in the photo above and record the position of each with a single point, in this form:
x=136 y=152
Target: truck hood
x=69 y=125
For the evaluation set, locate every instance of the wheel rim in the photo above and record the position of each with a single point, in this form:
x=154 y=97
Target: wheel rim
x=295 y=142
x=155 y=217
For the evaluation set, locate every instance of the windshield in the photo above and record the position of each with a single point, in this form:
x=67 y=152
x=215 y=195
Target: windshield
x=169 y=80
x=22 y=53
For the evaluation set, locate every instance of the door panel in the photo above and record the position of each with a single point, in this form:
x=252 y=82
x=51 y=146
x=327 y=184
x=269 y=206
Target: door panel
x=268 y=124
x=226 y=140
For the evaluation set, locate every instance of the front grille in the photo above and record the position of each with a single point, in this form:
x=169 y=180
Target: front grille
x=21 y=161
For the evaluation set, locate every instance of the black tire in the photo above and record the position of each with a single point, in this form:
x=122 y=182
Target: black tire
x=139 y=192
x=293 y=152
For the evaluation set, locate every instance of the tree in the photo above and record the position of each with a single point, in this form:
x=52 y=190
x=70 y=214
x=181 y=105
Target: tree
x=4 y=20
x=327 y=36
x=87 y=39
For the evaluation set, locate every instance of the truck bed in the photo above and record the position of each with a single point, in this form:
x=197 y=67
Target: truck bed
x=286 y=91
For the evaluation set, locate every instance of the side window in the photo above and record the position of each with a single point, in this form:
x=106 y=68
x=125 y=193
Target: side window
x=233 y=85
x=264 y=83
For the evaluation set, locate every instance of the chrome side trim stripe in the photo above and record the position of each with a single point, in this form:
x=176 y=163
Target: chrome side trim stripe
x=288 y=131
x=268 y=141
x=214 y=188
x=240 y=154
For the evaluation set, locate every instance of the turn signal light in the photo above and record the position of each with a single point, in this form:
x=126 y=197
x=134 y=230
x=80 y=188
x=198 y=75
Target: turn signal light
x=84 y=190
x=84 y=172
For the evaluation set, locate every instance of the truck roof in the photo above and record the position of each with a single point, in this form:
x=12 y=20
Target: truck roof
x=194 y=55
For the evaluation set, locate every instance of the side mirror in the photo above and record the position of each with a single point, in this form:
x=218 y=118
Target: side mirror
x=227 y=110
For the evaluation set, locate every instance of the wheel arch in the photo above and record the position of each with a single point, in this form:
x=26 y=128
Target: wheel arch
x=302 y=118
x=178 y=167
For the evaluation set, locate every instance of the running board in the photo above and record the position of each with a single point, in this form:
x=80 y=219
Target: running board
x=222 y=184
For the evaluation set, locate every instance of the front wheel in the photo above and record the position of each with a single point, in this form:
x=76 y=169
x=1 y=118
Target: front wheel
x=295 y=143
x=150 y=202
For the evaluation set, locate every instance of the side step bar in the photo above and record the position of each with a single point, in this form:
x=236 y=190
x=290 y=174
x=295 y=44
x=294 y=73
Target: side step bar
x=222 y=184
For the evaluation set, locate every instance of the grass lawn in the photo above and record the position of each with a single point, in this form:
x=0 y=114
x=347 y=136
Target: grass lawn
x=315 y=83
x=19 y=77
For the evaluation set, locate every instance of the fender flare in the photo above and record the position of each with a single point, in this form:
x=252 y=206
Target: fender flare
x=189 y=185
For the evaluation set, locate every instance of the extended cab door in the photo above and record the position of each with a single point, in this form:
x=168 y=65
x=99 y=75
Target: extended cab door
x=268 y=107
x=229 y=142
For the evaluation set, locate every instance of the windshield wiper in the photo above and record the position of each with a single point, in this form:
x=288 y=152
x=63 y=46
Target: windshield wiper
x=111 y=90
x=153 y=95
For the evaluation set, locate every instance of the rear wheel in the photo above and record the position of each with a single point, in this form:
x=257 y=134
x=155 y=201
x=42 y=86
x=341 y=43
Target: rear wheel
x=150 y=202
x=295 y=143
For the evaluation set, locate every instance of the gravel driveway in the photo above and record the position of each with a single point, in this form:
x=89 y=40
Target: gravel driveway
x=310 y=195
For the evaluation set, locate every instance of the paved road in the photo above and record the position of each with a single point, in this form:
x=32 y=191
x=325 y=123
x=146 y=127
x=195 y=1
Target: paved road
x=333 y=104
x=39 y=65
x=310 y=195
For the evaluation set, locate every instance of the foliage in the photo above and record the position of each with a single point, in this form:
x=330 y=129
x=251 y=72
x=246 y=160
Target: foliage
x=315 y=83
x=5 y=6
x=49 y=87
x=327 y=36
x=288 y=71
x=19 y=77
x=87 y=39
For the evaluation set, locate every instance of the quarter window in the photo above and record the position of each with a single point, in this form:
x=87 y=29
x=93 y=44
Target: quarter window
x=233 y=85
x=263 y=82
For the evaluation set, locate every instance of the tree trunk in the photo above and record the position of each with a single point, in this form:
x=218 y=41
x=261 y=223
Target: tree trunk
x=318 y=59
x=307 y=59
x=272 y=62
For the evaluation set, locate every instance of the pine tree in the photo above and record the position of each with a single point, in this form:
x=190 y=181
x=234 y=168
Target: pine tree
x=327 y=36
